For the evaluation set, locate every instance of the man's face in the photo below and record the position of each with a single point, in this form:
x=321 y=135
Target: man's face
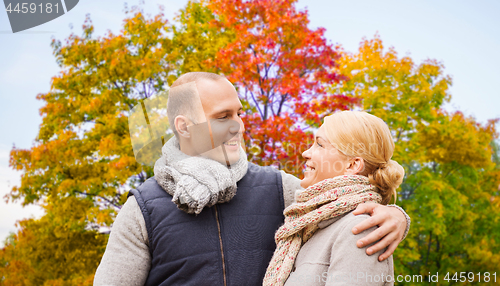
x=223 y=127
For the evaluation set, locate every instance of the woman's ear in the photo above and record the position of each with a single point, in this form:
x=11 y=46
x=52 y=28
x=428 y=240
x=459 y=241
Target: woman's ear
x=181 y=126
x=355 y=166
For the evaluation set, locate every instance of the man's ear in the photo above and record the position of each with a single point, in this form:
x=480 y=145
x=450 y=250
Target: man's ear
x=181 y=126
x=355 y=166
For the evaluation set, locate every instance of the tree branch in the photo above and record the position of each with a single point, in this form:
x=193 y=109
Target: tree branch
x=122 y=93
x=282 y=102
x=256 y=103
x=101 y=197
x=428 y=248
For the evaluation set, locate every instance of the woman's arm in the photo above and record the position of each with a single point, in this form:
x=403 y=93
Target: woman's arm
x=393 y=224
x=350 y=265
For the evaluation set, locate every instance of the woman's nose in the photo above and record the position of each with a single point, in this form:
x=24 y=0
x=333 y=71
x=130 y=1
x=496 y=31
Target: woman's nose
x=307 y=154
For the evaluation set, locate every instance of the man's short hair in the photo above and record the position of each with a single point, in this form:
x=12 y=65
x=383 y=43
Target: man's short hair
x=184 y=99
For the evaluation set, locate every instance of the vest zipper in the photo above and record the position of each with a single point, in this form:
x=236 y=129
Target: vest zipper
x=221 y=249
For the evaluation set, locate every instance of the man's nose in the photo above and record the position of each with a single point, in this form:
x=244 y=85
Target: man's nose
x=237 y=126
x=242 y=125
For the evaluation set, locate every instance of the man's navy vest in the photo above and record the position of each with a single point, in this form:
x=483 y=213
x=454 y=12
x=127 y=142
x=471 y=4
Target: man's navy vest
x=227 y=244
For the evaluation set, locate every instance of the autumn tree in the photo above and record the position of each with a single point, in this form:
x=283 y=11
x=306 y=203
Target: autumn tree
x=281 y=68
x=453 y=195
x=82 y=157
x=197 y=40
x=451 y=185
x=57 y=249
x=83 y=145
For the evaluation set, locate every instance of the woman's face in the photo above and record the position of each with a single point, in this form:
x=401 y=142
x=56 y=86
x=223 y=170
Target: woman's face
x=323 y=161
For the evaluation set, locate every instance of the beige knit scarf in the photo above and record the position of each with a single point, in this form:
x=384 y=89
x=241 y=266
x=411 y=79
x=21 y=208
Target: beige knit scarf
x=324 y=200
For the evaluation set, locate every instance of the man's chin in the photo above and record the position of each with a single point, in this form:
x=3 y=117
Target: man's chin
x=217 y=154
x=232 y=157
x=230 y=160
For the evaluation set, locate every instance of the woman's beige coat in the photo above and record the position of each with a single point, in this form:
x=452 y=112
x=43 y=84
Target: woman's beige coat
x=331 y=257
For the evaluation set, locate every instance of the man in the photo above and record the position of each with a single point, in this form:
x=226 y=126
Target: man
x=208 y=216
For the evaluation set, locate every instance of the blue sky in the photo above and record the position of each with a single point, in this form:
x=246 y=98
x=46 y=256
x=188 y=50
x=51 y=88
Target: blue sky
x=463 y=35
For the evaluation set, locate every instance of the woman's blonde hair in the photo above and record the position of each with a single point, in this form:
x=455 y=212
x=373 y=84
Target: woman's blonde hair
x=359 y=134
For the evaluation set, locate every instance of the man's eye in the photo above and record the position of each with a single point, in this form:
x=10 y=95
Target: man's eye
x=221 y=118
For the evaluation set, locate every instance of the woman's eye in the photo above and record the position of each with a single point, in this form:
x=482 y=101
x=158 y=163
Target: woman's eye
x=221 y=118
x=319 y=144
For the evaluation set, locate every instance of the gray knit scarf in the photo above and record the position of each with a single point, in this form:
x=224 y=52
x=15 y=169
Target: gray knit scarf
x=195 y=182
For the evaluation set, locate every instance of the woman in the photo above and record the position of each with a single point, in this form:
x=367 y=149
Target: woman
x=349 y=163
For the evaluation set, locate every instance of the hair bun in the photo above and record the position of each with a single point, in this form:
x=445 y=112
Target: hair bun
x=387 y=178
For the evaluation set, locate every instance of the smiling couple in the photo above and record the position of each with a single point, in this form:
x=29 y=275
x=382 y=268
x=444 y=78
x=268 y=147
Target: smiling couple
x=210 y=217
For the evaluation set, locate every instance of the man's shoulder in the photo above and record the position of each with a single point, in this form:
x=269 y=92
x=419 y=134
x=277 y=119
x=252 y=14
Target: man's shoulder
x=148 y=190
x=256 y=175
x=252 y=167
x=149 y=183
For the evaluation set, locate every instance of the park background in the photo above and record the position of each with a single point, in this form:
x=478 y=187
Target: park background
x=445 y=138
